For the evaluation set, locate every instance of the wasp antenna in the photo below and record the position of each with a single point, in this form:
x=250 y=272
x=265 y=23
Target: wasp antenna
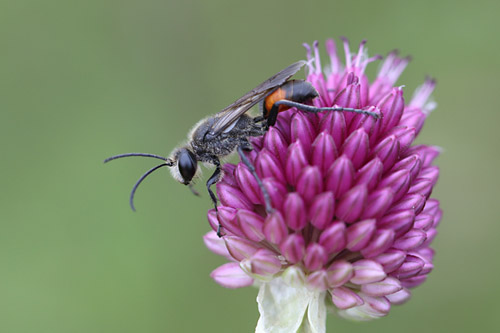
x=140 y=181
x=136 y=154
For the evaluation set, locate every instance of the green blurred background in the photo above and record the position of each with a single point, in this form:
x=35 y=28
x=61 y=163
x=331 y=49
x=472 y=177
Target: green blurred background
x=82 y=80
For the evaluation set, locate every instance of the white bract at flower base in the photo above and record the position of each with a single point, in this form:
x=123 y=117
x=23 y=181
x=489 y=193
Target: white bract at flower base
x=286 y=304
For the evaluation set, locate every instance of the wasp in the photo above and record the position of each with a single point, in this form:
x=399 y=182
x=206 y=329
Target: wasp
x=230 y=129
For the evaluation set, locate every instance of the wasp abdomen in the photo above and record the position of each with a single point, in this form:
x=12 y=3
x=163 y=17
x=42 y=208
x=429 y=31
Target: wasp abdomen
x=299 y=91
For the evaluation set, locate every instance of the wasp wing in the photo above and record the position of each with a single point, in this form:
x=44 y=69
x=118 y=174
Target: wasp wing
x=233 y=112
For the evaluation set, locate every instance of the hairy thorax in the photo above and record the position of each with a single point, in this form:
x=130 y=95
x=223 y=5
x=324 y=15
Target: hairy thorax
x=226 y=142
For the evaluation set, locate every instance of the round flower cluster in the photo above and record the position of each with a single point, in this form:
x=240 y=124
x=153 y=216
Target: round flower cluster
x=352 y=219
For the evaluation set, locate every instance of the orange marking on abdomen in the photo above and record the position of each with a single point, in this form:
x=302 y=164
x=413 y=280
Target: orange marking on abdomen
x=277 y=95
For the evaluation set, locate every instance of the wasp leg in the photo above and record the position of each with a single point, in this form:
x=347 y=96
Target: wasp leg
x=267 y=199
x=273 y=115
x=213 y=180
x=313 y=109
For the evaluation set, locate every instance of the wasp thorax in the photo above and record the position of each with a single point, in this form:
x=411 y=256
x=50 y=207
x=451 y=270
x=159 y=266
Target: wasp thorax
x=187 y=165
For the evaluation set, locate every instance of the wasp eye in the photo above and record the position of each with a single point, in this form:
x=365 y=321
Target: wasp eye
x=187 y=165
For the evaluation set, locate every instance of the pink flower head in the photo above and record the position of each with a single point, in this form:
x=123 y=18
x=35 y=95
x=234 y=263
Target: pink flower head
x=352 y=219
